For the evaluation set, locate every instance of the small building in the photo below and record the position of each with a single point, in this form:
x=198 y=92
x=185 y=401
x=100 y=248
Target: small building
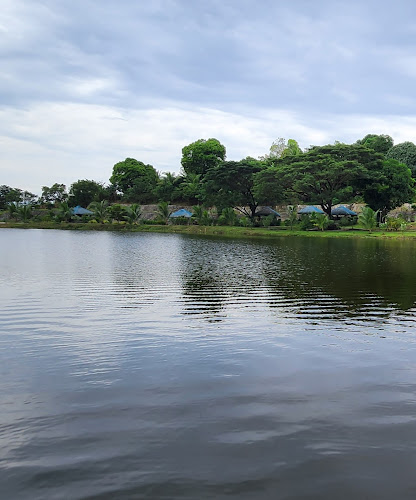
x=265 y=211
x=181 y=213
x=310 y=209
x=78 y=210
x=342 y=211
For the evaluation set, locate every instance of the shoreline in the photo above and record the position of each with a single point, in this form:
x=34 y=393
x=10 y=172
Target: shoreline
x=222 y=231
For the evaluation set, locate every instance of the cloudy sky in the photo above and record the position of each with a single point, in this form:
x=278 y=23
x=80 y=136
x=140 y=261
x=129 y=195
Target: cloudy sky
x=87 y=83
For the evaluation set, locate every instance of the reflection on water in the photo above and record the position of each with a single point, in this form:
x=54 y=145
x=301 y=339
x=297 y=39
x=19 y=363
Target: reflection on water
x=167 y=366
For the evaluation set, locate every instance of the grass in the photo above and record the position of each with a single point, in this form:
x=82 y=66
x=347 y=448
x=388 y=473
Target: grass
x=224 y=231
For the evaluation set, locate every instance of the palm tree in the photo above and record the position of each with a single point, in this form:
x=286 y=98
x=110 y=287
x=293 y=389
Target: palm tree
x=65 y=213
x=25 y=212
x=12 y=209
x=293 y=215
x=163 y=211
x=368 y=218
x=100 y=209
x=321 y=221
x=134 y=213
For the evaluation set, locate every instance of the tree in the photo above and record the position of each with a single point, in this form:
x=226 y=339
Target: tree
x=292 y=212
x=25 y=212
x=392 y=187
x=280 y=148
x=168 y=187
x=326 y=175
x=191 y=188
x=231 y=184
x=117 y=212
x=199 y=156
x=292 y=149
x=100 y=210
x=54 y=194
x=134 y=213
x=135 y=180
x=64 y=212
x=163 y=211
x=379 y=143
x=368 y=218
x=83 y=192
x=15 y=195
x=404 y=153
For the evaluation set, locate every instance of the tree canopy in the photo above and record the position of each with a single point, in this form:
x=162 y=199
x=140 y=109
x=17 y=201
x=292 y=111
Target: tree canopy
x=201 y=155
x=83 y=192
x=380 y=143
x=135 y=180
x=404 y=152
x=231 y=184
x=391 y=188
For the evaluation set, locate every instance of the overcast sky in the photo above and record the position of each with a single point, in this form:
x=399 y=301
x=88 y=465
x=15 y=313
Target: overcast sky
x=87 y=83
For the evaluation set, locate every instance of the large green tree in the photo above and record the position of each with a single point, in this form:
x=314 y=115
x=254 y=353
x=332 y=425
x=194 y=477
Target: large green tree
x=392 y=187
x=83 y=192
x=231 y=184
x=404 y=152
x=380 y=143
x=326 y=175
x=15 y=195
x=135 y=180
x=201 y=155
x=54 y=194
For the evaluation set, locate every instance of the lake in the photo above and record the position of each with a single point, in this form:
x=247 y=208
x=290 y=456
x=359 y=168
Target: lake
x=173 y=366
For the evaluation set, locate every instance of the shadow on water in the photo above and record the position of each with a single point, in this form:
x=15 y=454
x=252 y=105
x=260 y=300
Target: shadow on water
x=308 y=276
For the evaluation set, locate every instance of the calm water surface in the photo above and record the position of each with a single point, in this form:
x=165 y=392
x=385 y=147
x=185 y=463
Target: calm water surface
x=168 y=366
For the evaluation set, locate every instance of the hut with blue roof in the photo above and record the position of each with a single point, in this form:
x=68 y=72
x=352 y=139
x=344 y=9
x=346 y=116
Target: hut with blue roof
x=309 y=210
x=342 y=211
x=78 y=210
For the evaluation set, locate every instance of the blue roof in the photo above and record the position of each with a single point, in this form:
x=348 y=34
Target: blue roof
x=310 y=209
x=341 y=210
x=81 y=211
x=267 y=211
x=181 y=213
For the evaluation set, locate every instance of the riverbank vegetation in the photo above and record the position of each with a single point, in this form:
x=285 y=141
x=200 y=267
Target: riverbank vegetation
x=220 y=193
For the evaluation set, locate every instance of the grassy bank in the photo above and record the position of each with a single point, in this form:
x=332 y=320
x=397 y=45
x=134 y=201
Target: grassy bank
x=224 y=231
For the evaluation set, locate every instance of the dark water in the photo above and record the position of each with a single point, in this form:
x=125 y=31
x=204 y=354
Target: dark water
x=166 y=366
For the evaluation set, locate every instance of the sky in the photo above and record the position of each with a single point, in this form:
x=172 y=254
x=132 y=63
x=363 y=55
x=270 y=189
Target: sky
x=85 y=84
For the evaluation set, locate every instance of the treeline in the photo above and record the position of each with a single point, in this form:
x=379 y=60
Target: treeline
x=372 y=170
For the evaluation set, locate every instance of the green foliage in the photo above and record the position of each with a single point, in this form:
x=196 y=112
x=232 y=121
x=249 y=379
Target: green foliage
x=117 y=212
x=280 y=148
x=390 y=187
x=12 y=209
x=100 y=210
x=133 y=213
x=135 y=180
x=267 y=221
x=324 y=175
x=321 y=221
x=228 y=217
x=163 y=211
x=53 y=195
x=191 y=188
x=15 y=195
x=368 y=218
x=202 y=155
x=201 y=215
x=64 y=213
x=379 y=143
x=168 y=187
x=25 y=212
x=231 y=184
x=292 y=212
x=83 y=192
x=404 y=153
